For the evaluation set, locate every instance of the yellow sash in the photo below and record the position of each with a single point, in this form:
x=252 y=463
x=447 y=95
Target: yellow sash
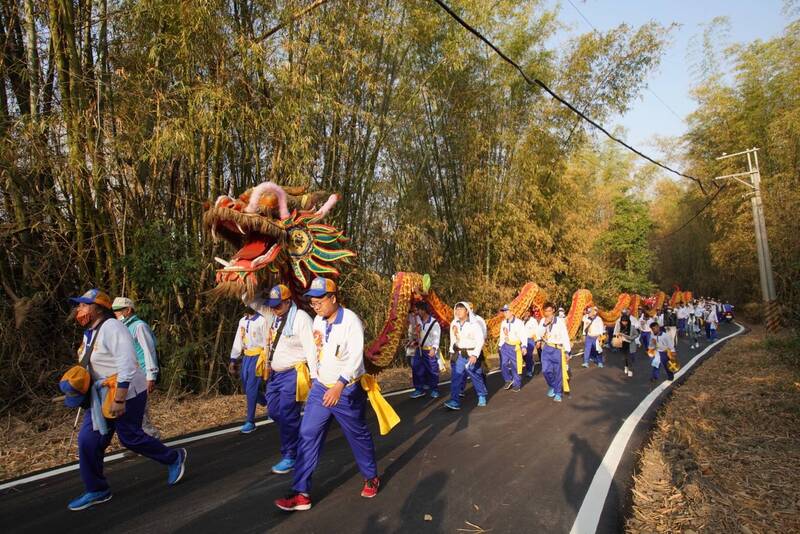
x=303 y=382
x=261 y=363
x=564 y=372
x=387 y=417
x=520 y=364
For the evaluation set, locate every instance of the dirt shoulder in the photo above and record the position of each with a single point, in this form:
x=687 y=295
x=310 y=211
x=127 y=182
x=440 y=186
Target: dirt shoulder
x=40 y=438
x=724 y=454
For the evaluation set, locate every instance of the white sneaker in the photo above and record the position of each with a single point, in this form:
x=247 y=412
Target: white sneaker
x=625 y=371
x=630 y=373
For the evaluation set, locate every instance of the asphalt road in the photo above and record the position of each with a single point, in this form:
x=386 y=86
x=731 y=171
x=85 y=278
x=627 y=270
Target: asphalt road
x=522 y=464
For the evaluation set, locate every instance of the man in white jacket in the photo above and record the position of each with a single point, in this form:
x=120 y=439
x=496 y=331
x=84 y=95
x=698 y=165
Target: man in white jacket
x=110 y=357
x=466 y=344
x=292 y=362
x=510 y=345
x=593 y=328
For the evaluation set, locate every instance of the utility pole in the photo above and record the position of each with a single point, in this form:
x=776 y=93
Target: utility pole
x=762 y=245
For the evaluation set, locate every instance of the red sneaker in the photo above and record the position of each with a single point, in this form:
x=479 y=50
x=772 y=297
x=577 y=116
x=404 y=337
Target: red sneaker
x=297 y=501
x=371 y=488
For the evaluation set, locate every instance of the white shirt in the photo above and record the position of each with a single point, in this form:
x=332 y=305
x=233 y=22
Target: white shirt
x=294 y=349
x=595 y=326
x=555 y=333
x=431 y=328
x=662 y=342
x=114 y=353
x=251 y=334
x=467 y=335
x=532 y=328
x=340 y=347
x=512 y=332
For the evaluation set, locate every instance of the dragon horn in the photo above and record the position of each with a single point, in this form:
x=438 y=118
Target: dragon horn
x=326 y=208
x=268 y=187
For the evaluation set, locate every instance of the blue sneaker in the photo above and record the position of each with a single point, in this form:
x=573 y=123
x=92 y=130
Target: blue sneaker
x=283 y=467
x=557 y=398
x=551 y=392
x=89 y=499
x=452 y=404
x=175 y=471
x=247 y=427
x=600 y=365
x=481 y=400
x=434 y=393
x=585 y=364
x=529 y=374
x=417 y=393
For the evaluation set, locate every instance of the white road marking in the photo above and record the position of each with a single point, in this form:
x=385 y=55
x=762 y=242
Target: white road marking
x=589 y=513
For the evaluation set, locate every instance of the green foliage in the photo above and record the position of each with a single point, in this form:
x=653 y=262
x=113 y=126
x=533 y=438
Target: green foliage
x=159 y=259
x=625 y=247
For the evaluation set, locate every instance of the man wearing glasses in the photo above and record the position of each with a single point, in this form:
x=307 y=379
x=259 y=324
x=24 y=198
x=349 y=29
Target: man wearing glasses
x=336 y=393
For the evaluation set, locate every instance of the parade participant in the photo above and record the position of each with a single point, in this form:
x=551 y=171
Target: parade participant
x=531 y=325
x=562 y=314
x=593 y=328
x=644 y=328
x=693 y=328
x=250 y=339
x=661 y=348
x=629 y=334
x=341 y=391
x=466 y=344
x=712 y=321
x=683 y=313
x=660 y=316
x=671 y=324
x=144 y=341
x=291 y=364
x=555 y=346
x=118 y=393
x=425 y=363
x=512 y=335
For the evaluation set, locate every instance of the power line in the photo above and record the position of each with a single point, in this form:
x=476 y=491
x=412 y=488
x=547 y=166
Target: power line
x=696 y=215
x=559 y=98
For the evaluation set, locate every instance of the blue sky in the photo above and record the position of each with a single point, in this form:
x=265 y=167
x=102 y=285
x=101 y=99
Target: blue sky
x=672 y=82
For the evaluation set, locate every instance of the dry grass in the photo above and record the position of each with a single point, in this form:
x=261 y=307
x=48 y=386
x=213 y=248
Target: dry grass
x=40 y=439
x=725 y=451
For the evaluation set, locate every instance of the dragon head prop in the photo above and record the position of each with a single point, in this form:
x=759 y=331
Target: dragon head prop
x=278 y=238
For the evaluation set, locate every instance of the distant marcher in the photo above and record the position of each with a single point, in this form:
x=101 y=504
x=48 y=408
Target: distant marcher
x=144 y=341
x=250 y=340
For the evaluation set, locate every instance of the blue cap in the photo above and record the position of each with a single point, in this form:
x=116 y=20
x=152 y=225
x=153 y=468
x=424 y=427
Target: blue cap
x=72 y=397
x=93 y=296
x=277 y=295
x=320 y=287
x=505 y=308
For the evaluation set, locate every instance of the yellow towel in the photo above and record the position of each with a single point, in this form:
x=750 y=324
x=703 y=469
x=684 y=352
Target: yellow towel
x=564 y=372
x=303 y=382
x=387 y=417
x=520 y=364
x=262 y=369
